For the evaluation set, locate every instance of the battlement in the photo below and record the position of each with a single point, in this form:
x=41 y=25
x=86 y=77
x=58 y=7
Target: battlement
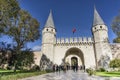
x=75 y=40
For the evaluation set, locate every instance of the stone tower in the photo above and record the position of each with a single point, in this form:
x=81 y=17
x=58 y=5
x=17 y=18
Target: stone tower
x=48 y=38
x=101 y=42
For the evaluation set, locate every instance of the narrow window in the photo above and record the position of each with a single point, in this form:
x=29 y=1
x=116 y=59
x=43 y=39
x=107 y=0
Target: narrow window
x=95 y=28
x=51 y=29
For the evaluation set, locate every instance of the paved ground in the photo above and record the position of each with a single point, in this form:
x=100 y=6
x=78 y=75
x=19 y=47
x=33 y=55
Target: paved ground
x=69 y=75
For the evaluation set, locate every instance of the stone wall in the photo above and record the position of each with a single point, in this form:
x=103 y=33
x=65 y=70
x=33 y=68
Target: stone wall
x=87 y=49
x=115 y=50
x=37 y=57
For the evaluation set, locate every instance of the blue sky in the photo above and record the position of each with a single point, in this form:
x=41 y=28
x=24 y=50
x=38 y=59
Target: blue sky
x=69 y=14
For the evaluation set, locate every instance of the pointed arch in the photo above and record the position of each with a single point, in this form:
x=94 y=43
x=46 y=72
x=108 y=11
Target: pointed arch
x=75 y=52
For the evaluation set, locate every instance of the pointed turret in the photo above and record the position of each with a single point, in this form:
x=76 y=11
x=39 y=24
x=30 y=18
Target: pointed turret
x=49 y=38
x=100 y=36
x=97 y=19
x=50 y=22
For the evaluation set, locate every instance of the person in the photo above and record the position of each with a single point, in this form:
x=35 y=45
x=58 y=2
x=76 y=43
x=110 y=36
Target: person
x=53 y=67
x=84 y=68
x=74 y=68
x=80 y=67
x=59 y=68
x=65 y=67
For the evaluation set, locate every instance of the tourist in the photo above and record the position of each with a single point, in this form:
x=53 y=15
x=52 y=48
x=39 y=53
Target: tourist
x=65 y=67
x=84 y=68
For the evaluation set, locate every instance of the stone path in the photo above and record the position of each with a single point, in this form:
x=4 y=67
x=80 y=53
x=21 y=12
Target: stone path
x=69 y=75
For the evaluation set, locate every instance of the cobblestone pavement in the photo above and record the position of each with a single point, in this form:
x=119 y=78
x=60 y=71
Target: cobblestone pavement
x=69 y=75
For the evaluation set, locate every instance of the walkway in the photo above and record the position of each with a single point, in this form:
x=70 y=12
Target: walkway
x=69 y=75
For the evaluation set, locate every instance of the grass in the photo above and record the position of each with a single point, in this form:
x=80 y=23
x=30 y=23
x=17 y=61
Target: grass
x=3 y=71
x=108 y=74
x=9 y=75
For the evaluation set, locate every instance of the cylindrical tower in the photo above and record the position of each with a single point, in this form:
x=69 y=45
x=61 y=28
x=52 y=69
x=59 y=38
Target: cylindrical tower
x=101 y=41
x=49 y=38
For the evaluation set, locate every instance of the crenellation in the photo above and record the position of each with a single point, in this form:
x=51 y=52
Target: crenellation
x=66 y=40
x=58 y=40
x=71 y=40
x=89 y=39
x=75 y=39
x=84 y=39
x=80 y=39
x=62 y=40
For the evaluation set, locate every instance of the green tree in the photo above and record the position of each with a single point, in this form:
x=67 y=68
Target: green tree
x=8 y=9
x=25 y=59
x=115 y=63
x=23 y=29
x=5 y=53
x=19 y=25
x=116 y=40
x=116 y=28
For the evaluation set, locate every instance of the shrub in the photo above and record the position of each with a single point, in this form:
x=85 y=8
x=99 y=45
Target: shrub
x=90 y=71
x=49 y=70
x=115 y=63
x=101 y=70
x=35 y=68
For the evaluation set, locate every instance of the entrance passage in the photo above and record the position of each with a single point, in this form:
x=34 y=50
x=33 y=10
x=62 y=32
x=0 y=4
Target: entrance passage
x=74 y=57
x=74 y=61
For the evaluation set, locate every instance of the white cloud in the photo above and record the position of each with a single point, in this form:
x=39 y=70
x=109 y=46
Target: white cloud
x=36 y=48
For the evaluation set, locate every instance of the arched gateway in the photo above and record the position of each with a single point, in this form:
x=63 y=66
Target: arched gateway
x=83 y=54
x=74 y=56
x=77 y=50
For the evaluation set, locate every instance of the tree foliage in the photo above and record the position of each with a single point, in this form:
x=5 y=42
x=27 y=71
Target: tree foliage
x=23 y=29
x=25 y=59
x=19 y=25
x=116 y=28
x=8 y=56
x=6 y=52
x=8 y=9
x=116 y=40
x=45 y=63
x=115 y=63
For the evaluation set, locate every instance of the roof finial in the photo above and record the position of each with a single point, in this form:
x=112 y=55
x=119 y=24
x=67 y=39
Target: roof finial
x=50 y=22
x=94 y=7
x=97 y=19
x=50 y=10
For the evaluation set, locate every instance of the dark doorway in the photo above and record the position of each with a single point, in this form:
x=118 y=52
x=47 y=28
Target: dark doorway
x=74 y=63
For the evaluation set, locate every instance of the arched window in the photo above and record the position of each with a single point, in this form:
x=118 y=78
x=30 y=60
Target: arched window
x=46 y=29
x=95 y=28
x=51 y=29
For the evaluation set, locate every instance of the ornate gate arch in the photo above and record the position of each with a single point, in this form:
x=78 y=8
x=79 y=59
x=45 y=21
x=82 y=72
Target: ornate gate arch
x=74 y=52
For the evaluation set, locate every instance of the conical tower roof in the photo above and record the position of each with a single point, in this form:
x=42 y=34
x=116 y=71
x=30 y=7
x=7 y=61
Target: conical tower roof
x=50 y=22
x=97 y=19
